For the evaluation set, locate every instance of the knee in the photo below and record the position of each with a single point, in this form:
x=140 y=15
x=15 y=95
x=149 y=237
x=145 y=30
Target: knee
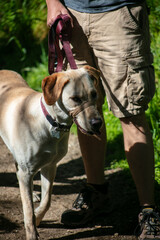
x=137 y=124
x=135 y=129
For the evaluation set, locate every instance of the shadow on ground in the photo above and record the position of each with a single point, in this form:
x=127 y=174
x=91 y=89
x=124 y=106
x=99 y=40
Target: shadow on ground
x=122 y=206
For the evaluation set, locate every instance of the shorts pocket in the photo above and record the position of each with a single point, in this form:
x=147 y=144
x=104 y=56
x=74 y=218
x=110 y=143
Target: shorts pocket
x=141 y=80
x=135 y=17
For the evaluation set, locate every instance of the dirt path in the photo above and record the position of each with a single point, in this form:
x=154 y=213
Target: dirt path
x=119 y=224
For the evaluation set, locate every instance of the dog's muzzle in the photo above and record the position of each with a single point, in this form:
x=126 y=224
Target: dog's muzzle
x=95 y=122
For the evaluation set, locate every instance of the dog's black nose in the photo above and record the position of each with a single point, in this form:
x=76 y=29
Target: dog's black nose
x=96 y=123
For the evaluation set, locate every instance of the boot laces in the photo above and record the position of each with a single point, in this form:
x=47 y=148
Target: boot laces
x=84 y=199
x=150 y=222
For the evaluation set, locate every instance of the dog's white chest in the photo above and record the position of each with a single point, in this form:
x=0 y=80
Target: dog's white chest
x=53 y=150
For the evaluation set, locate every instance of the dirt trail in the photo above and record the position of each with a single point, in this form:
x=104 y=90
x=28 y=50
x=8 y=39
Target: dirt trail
x=118 y=224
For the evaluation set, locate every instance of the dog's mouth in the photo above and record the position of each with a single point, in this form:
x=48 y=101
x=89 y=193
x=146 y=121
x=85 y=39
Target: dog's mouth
x=97 y=132
x=95 y=122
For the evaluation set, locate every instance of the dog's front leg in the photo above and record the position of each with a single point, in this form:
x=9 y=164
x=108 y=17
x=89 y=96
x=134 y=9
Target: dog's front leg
x=25 y=184
x=47 y=177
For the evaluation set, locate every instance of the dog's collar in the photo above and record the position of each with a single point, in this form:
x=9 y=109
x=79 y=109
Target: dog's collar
x=52 y=121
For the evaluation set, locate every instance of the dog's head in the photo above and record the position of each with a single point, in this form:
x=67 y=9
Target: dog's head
x=76 y=90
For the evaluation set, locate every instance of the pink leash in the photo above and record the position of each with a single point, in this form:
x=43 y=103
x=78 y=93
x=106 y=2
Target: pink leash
x=60 y=32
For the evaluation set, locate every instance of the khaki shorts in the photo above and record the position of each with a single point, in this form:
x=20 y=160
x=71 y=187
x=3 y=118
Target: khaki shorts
x=118 y=44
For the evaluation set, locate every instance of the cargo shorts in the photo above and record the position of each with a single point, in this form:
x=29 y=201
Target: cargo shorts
x=118 y=44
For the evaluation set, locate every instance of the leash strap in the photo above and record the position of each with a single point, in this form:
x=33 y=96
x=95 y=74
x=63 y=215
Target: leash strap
x=60 y=32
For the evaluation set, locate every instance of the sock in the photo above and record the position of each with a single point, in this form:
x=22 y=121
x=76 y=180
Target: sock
x=103 y=188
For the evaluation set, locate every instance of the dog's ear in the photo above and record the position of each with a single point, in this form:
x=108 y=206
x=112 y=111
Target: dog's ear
x=94 y=73
x=52 y=87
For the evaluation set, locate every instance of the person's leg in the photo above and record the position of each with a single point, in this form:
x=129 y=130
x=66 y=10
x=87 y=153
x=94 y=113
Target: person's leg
x=92 y=198
x=128 y=79
x=92 y=148
x=93 y=153
x=140 y=156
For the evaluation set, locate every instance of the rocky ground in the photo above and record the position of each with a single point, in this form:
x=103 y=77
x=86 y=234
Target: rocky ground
x=118 y=224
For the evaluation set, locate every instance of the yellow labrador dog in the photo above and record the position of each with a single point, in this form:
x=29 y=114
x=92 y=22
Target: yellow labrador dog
x=35 y=127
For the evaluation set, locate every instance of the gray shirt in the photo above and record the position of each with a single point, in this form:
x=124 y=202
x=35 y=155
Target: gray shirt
x=97 y=6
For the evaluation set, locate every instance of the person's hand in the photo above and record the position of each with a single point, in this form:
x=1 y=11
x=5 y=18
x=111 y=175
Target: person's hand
x=55 y=8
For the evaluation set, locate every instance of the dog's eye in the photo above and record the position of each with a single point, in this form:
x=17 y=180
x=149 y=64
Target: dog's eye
x=76 y=99
x=93 y=95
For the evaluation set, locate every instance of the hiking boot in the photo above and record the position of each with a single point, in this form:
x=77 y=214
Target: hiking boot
x=89 y=204
x=149 y=224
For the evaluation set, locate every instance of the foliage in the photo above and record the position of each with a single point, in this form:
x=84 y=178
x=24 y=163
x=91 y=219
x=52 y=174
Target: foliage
x=153 y=115
x=154 y=7
x=154 y=17
x=34 y=75
x=21 y=25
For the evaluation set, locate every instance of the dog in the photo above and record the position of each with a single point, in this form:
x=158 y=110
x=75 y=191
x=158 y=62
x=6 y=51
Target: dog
x=35 y=127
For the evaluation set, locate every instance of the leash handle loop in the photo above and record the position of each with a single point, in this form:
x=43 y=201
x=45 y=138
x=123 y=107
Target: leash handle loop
x=60 y=32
